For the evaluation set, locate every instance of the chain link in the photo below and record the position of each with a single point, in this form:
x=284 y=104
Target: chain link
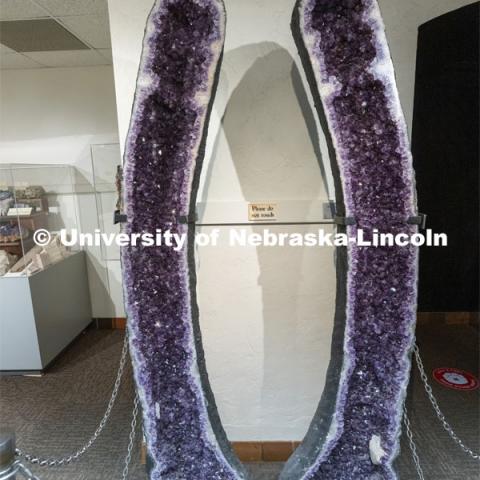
x=27 y=473
x=10 y=471
x=16 y=468
x=133 y=432
x=58 y=462
x=447 y=427
x=412 y=444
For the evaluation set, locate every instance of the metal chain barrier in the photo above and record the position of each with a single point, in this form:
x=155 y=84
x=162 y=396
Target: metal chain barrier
x=10 y=472
x=133 y=432
x=447 y=427
x=17 y=468
x=26 y=472
x=58 y=462
x=412 y=444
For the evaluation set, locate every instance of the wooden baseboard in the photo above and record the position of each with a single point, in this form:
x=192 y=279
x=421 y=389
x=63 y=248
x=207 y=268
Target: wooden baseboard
x=449 y=318
x=264 y=451
x=110 y=323
x=254 y=451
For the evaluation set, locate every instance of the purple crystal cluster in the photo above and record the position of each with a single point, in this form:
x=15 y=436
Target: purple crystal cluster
x=176 y=84
x=353 y=75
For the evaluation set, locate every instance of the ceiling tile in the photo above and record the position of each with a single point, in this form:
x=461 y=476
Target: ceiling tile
x=20 y=10
x=39 y=35
x=75 y=58
x=92 y=29
x=9 y=61
x=61 y=8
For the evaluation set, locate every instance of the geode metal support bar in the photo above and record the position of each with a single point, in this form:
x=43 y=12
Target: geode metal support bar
x=355 y=432
x=164 y=151
x=420 y=220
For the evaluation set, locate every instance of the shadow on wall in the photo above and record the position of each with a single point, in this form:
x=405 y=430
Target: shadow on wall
x=269 y=128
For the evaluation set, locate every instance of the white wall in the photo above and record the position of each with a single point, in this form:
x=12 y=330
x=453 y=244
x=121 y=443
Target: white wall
x=266 y=314
x=53 y=116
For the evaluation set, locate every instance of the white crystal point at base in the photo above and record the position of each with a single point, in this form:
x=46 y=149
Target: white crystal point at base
x=376 y=450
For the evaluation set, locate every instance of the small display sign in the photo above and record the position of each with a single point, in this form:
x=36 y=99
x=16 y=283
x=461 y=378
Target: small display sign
x=262 y=212
x=455 y=378
x=20 y=211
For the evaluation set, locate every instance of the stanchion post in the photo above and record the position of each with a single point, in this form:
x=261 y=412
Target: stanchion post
x=7 y=452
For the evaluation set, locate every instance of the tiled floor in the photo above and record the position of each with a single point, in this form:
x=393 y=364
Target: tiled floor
x=57 y=412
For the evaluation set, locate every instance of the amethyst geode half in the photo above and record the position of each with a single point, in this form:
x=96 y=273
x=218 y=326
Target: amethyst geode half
x=165 y=146
x=355 y=432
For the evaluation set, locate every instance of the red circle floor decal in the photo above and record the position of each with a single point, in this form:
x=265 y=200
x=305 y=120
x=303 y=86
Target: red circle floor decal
x=455 y=378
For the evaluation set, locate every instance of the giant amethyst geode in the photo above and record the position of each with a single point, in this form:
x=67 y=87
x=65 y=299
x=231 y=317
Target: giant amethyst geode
x=176 y=83
x=355 y=432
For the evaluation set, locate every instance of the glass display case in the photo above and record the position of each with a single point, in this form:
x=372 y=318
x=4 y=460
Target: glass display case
x=50 y=292
x=44 y=290
x=36 y=202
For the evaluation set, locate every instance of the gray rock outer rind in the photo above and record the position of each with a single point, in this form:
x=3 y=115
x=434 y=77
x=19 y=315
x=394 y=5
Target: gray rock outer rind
x=310 y=448
x=328 y=425
x=213 y=414
x=308 y=451
x=219 y=443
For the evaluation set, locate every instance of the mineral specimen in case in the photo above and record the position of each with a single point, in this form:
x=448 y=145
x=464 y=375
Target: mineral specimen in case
x=355 y=432
x=165 y=146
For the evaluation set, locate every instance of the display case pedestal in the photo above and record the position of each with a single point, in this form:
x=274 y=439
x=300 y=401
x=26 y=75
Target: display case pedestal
x=42 y=314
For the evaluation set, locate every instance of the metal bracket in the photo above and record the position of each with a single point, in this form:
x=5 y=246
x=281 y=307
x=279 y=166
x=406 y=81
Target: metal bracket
x=420 y=220
x=188 y=219
x=344 y=220
x=119 y=217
